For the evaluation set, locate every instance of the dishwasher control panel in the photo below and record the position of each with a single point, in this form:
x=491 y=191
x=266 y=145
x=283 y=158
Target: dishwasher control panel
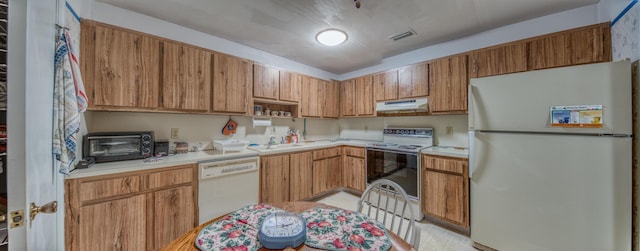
x=223 y=168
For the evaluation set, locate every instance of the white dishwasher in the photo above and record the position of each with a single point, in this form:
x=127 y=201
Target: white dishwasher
x=226 y=185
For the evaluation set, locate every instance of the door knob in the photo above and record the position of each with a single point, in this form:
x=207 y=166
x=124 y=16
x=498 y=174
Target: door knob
x=48 y=208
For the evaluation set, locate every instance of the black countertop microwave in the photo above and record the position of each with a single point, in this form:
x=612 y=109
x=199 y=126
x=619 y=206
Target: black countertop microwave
x=116 y=146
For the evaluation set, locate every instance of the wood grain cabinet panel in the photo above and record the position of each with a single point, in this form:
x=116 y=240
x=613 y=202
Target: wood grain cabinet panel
x=301 y=176
x=171 y=177
x=173 y=214
x=100 y=189
x=449 y=84
x=385 y=85
x=499 y=60
x=232 y=79
x=348 y=98
x=187 y=77
x=266 y=82
x=445 y=189
x=274 y=179
x=364 y=96
x=331 y=105
x=113 y=225
x=354 y=173
x=413 y=81
x=290 y=86
x=121 y=67
x=589 y=44
x=327 y=174
x=312 y=97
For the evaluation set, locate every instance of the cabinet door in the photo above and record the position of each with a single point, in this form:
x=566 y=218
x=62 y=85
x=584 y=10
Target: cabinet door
x=331 y=106
x=449 y=84
x=126 y=72
x=173 y=214
x=588 y=45
x=364 y=95
x=231 y=84
x=187 y=77
x=499 y=60
x=301 y=176
x=266 y=82
x=327 y=174
x=274 y=179
x=443 y=196
x=385 y=85
x=312 y=94
x=114 y=225
x=353 y=173
x=413 y=81
x=290 y=86
x=347 y=97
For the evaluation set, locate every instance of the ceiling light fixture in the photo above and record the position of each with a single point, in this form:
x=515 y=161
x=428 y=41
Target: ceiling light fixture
x=331 y=37
x=357 y=4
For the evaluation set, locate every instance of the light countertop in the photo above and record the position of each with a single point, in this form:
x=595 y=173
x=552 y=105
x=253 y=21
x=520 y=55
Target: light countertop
x=195 y=157
x=458 y=152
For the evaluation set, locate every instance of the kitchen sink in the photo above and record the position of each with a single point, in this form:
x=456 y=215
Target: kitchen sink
x=273 y=147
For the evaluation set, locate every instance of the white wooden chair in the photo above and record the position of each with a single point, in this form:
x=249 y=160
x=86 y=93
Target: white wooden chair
x=385 y=201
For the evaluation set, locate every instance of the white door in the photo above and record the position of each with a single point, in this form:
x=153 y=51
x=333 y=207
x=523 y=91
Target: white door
x=550 y=192
x=31 y=176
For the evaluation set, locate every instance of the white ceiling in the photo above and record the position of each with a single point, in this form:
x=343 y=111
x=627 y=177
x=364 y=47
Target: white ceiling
x=287 y=28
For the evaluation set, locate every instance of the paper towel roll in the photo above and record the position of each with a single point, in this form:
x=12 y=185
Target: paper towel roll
x=261 y=122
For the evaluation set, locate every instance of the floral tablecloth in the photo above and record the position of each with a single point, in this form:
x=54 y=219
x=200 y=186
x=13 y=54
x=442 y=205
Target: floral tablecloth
x=338 y=229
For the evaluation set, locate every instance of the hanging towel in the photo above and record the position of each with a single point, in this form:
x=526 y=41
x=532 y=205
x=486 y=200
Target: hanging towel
x=69 y=100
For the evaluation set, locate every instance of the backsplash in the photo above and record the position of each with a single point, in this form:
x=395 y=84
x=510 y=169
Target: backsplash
x=199 y=130
x=371 y=128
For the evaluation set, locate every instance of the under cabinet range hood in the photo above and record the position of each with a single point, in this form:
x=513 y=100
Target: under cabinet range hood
x=409 y=105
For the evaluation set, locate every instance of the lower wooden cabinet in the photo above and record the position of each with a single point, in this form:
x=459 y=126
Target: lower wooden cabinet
x=301 y=175
x=354 y=173
x=274 y=178
x=445 y=189
x=142 y=210
x=327 y=170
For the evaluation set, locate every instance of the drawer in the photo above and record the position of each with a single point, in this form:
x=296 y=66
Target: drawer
x=326 y=153
x=354 y=151
x=98 y=189
x=445 y=164
x=171 y=177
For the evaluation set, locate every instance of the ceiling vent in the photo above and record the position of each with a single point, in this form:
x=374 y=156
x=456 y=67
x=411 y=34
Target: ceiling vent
x=402 y=35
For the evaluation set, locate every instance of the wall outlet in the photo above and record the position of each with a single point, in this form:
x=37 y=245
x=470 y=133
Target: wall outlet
x=449 y=130
x=174 y=133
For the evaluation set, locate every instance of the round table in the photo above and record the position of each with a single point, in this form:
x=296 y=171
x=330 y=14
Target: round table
x=187 y=240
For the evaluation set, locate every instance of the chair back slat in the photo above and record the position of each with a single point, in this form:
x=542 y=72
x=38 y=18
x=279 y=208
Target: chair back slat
x=399 y=212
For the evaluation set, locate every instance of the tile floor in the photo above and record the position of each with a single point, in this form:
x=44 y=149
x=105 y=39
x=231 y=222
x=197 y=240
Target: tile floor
x=432 y=238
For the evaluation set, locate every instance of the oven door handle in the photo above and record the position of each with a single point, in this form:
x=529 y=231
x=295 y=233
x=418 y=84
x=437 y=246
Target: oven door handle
x=391 y=151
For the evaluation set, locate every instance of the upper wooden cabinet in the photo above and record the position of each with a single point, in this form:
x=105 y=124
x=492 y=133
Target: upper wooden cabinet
x=266 y=82
x=312 y=97
x=331 y=106
x=356 y=97
x=590 y=44
x=232 y=78
x=290 y=86
x=498 y=60
x=120 y=67
x=186 y=77
x=413 y=81
x=448 y=78
x=385 y=85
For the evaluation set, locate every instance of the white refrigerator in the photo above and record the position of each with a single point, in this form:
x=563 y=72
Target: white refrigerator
x=550 y=159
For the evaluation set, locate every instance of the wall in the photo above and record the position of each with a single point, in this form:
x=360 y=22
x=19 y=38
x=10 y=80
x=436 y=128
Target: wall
x=371 y=128
x=199 y=129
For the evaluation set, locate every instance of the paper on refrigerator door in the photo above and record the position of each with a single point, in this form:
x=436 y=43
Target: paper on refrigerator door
x=577 y=116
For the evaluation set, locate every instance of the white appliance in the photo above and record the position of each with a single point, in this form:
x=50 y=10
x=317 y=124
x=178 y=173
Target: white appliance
x=535 y=186
x=226 y=185
x=410 y=105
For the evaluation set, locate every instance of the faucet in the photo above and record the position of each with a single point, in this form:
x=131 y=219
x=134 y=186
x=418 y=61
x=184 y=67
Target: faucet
x=272 y=141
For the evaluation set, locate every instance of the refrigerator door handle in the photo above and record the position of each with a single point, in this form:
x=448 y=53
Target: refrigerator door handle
x=470 y=107
x=472 y=136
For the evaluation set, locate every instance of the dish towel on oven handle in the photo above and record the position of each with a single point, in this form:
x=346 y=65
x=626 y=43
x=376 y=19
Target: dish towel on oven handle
x=69 y=101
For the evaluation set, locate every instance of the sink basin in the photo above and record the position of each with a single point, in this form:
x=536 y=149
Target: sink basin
x=273 y=147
